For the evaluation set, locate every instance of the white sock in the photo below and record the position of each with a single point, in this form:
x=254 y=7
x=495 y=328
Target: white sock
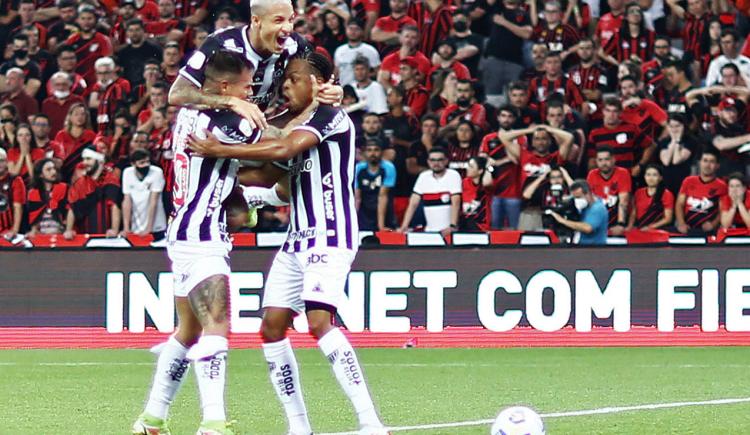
x=261 y=196
x=171 y=371
x=346 y=367
x=212 y=374
x=282 y=367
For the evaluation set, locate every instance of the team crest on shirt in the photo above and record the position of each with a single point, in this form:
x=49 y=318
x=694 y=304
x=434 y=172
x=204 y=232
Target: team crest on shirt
x=445 y=198
x=577 y=78
x=621 y=138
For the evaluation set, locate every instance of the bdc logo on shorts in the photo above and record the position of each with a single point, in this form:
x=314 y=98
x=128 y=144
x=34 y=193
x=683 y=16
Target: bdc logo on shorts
x=315 y=259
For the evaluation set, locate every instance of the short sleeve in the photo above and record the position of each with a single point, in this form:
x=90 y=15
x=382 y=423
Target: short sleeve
x=158 y=185
x=685 y=186
x=390 y=174
x=667 y=200
x=194 y=69
x=357 y=169
x=419 y=184
x=127 y=177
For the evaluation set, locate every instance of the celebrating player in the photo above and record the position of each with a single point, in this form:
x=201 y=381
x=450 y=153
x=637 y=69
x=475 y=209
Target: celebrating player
x=199 y=250
x=266 y=46
x=310 y=271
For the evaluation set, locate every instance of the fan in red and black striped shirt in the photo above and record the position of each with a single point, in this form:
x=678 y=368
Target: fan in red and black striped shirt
x=697 y=206
x=12 y=199
x=434 y=19
x=506 y=173
x=554 y=81
x=632 y=147
x=47 y=199
x=633 y=40
x=462 y=147
x=89 y=44
x=590 y=76
x=95 y=197
x=641 y=112
x=111 y=92
x=696 y=19
x=653 y=205
x=193 y=12
x=476 y=196
x=416 y=96
x=553 y=32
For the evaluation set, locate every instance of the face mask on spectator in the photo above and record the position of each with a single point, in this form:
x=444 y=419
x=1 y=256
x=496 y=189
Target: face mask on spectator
x=21 y=54
x=460 y=26
x=105 y=83
x=463 y=102
x=581 y=203
x=144 y=170
x=61 y=95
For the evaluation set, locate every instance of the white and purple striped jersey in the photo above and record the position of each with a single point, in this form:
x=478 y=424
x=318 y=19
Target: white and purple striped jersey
x=268 y=73
x=202 y=184
x=321 y=185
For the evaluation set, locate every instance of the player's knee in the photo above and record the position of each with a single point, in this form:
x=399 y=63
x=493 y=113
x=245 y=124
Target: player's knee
x=319 y=319
x=273 y=328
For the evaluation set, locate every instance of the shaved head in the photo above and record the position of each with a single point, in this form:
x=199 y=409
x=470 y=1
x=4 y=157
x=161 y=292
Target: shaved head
x=260 y=7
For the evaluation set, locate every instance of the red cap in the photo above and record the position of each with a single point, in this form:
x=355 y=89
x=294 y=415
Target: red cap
x=411 y=61
x=728 y=103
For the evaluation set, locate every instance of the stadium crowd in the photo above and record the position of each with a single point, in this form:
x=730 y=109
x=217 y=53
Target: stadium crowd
x=471 y=115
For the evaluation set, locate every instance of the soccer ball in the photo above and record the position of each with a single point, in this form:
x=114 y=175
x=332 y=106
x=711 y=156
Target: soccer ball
x=518 y=420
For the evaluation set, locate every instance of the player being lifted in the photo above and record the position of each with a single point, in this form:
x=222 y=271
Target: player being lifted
x=266 y=45
x=198 y=247
x=309 y=272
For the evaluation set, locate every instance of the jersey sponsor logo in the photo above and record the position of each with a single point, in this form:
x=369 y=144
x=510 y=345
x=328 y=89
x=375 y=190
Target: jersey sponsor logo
x=621 y=138
x=533 y=170
x=699 y=205
x=299 y=167
x=317 y=259
x=328 y=196
x=215 y=202
x=334 y=123
x=307 y=233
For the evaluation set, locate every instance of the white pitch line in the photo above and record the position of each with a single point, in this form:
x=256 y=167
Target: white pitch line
x=597 y=411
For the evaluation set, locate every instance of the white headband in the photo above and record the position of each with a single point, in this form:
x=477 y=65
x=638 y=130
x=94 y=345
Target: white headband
x=88 y=153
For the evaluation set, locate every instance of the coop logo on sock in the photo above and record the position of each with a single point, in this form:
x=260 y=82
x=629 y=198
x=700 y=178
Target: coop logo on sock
x=177 y=369
x=351 y=368
x=285 y=381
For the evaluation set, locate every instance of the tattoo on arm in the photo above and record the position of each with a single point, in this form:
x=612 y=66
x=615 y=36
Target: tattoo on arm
x=209 y=300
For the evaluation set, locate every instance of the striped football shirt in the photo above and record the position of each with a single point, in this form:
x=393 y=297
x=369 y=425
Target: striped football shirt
x=201 y=184
x=321 y=185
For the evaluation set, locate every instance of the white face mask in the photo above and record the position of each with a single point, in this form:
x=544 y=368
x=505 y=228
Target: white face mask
x=581 y=203
x=105 y=83
x=61 y=94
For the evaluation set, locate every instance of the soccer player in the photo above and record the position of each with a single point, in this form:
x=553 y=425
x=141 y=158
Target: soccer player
x=309 y=273
x=267 y=45
x=198 y=246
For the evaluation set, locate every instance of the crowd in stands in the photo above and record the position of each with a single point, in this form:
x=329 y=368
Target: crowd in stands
x=471 y=115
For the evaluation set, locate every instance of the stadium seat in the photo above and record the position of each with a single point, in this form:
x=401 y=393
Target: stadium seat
x=637 y=237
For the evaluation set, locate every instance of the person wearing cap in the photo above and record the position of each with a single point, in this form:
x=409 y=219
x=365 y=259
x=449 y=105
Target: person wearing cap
x=88 y=43
x=729 y=137
x=444 y=59
x=345 y=55
x=94 y=198
x=12 y=199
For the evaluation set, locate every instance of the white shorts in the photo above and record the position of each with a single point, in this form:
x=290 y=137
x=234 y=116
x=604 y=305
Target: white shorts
x=316 y=275
x=193 y=262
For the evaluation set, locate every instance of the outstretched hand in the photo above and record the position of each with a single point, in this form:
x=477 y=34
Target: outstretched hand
x=205 y=147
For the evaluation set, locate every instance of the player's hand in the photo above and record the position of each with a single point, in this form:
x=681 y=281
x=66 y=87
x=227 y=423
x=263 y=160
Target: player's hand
x=69 y=234
x=205 y=147
x=249 y=111
x=328 y=93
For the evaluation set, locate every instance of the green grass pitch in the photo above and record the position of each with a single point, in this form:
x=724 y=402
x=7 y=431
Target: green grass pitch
x=102 y=391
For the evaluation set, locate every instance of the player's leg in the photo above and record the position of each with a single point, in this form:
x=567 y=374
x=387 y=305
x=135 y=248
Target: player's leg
x=280 y=301
x=172 y=365
x=325 y=278
x=209 y=300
